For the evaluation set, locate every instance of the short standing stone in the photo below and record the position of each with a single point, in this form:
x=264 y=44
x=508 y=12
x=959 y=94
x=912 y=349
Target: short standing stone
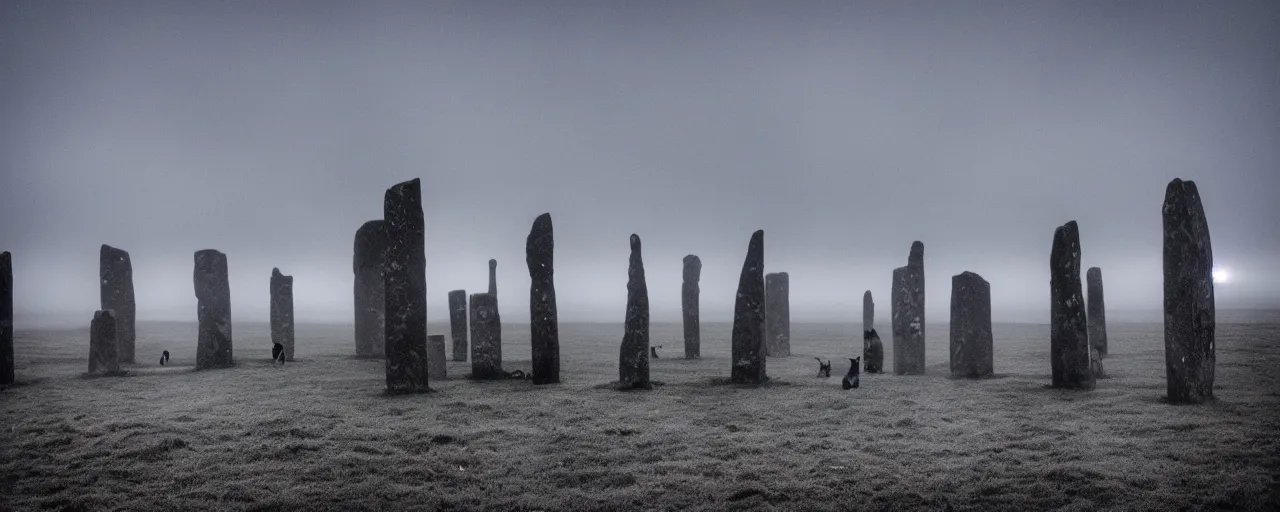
x=1190 y=316
x=544 y=327
x=868 y=312
x=689 y=292
x=633 y=363
x=1097 y=312
x=116 y=278
x=370 y=295
x=872 y=352
x=458 y=323
x=486 y=338
x=1069 y=337
x=436 y=358
x=405 y=282
x=493 y=278
x=6 y=319
x=282 y=312
x=971 y=341
x=748 y=317
x=104 y=345
x=213 y=295
x=777 y=314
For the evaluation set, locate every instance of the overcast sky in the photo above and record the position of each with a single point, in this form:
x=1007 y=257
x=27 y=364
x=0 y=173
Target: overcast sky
x=844 y=130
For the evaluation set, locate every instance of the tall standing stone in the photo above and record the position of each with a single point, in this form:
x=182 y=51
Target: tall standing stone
x=777 y=314
x=1097 y=311
x=544 y=326
x=405 y=280
x=282 y=311
x=116 y=279
x=1189 y=309
x=868 y=312
x=213 y=295
x=748 y=317
x=971 y=341
x=493 y=278
x=633 y=361
x=907 y=311
x=370 y=295
x=486 y=338
x=1069 y=337
x=689 y=292
x=458 y=323
x=6 y=319
x=104 y=344
x=436 y=367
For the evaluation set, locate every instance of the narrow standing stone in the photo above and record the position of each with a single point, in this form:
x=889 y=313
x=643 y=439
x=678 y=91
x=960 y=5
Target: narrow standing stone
x=1097 y=312
x=213 y=294
x=458 y=323
x=6 y=319
x=493 y=278
x=748 y=317
x=282 y=311
x=872 y=351
x=104 y=344
x=868 y=312
x=436 y=367
x=486 y=338
x=689 y=292
x=1069 y=337
x=405 y=281
x=633 y=361
x=370 y=295
x=1189 y=309
x=544 y=327
x=116 y=278
x=971 y=340
x=907 y=311
x=777 y=314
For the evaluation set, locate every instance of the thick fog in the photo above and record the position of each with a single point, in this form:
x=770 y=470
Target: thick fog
x=270 y=131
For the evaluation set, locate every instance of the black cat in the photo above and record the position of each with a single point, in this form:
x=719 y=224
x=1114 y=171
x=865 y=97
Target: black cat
x=850 y=379
x=824 y=369
x=277 y=354
x=164 y=358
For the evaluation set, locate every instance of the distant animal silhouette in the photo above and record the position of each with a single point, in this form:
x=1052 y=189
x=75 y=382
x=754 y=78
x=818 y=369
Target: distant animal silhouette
x=850 y=379
x=873 y=349
x=653 y=351
x=277 y=354
x=1095 y=363
x=824 y=369
x=517 y=374
x=164 y=358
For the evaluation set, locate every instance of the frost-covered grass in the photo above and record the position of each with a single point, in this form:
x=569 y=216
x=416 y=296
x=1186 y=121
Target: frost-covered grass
x=318 y=434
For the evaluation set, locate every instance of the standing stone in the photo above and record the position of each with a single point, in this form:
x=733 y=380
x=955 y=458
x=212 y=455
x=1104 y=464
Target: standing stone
x=777 y=314
x=458 y=323
x=689 y=292
x=544 y=327
x=1097 y=312
x=633 y=362
x=6 y=319
x=282 y=311
x=907 y=311
x=213 y=294
x=486 y=338
x=104 y=344
x=971 y=340
x=1189 y=309
x=436 y=359
x=116 y=279
x=1069 y=337
x=872 y=352
x=868 y=312
x=405 y=281
x=370 y=295
x=748 y=317
x=493 y=278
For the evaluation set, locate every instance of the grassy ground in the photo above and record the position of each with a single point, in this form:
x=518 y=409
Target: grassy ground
x=319 y=434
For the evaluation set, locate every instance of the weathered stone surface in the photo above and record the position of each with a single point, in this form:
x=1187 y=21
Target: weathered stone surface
x=486 y=338
x=544 y=326
x=370 y=294
x=436 y=358
x=868 y=312
x=689 y=293
x=748 y=317
x=971 y=340
x=6 y=319
x=116 y=279
x=777 y=314
x=633 y=361
x=404 y=279
x=458 y=323
x=104 y=343
x=1190 y=315
x=1097 y=312
x=213 y=295
x=1069 y=338
x=907 y=312
x=282 y=312
x=493 y=278
x=873 y=351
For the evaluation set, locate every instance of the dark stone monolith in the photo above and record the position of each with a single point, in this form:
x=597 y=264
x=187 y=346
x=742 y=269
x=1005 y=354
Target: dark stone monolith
x=404 y=279
x=436 y=358
x=104 y=344
x=1097 y=311
x=872 y=352
x=116 y=279
x=971 y=341
x=6 y=319
x=458 y=323
x=633 y=361
x=282 y=312
x=748 y=317
x=370 y=295
x=493 y=278
x=1190 y=314
x=1069 y=337
x=868 y=312
x=907 y=313
x=213 y=295
x=689 y=292
x=544 y=327
x=486 y=338
x=777 y=315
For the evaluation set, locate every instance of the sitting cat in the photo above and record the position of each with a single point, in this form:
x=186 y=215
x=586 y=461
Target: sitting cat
x=824 y=369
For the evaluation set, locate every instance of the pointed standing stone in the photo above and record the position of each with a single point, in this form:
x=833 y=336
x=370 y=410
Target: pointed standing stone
x=907 y=311
x=104 y=344
x=6 y=319
x=544 y=327
x=633 y=363
x=1190 y=315
x=689 y=292
x=213 y=294
x=370 y=295
x=486 y=338
x=282 y=311
x=116 y=279
x=405 y=282
x=868 y=312
x=1097 y=311
x=971 y=340
x=777 y=314
x=436 y=367
x=748 y=317
x=1069 y=338
x=458 y=323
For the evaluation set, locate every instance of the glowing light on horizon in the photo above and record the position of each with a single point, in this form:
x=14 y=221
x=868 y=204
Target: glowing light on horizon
x=1221 y=275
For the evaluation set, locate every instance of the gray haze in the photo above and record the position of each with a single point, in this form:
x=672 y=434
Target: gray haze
x=270 y=130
